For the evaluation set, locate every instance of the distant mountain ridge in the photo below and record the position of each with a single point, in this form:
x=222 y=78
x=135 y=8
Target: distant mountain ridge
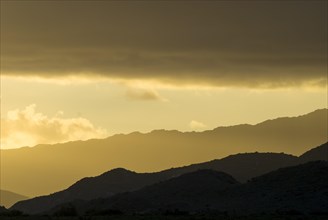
x=242 y=167
x=154 y=151
x=7 y=198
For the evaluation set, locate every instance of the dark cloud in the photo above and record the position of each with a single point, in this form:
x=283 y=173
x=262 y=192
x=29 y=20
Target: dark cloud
x=251 y=43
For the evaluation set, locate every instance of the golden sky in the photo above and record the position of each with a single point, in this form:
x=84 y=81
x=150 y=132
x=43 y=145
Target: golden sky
x=74 y=70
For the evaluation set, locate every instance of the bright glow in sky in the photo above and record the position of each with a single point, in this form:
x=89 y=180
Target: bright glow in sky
x=35 y=112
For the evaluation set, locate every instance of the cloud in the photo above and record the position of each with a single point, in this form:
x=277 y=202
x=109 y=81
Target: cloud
x=28 y=127
x=196 y=125
x=216 y=43
x=143 y=95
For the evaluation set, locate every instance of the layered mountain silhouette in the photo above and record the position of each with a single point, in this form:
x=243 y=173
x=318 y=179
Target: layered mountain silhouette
x=107 y=184
x=185 y=192
x=242 y=167
x=8 y=198
x=302 y=188
x=154 y=151
x=207 y=191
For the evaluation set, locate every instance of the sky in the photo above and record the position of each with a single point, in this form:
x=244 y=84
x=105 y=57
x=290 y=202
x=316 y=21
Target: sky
x=75 y=70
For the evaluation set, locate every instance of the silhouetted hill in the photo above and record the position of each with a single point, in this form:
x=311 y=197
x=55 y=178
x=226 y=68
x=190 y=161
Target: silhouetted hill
x=3 y=210
x=154 y=151
x=300 y=189
x=318 y=153
x=8 y=198
x=176 y=193
x=242 y=166
x=110 y=183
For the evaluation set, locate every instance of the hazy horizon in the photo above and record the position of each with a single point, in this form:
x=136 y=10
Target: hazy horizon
x=150 y=131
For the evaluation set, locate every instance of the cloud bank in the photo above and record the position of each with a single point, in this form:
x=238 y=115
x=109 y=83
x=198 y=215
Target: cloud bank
x=219 y=43
x=29 y=127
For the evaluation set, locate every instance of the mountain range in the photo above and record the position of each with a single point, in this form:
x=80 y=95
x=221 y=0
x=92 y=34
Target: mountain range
x=58 y=166
x=241 y=167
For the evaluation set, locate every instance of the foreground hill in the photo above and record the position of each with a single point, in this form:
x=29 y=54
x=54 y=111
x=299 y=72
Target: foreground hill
x=3 y=210
x=154 y=151
x=8 y=198
x=318 y=153
x=302 y=188
x=107 y=184
x=185 y=192
x=298 y=189
x=241 y=166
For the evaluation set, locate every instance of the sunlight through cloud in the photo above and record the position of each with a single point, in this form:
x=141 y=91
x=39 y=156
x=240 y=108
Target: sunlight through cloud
x=29 y=127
